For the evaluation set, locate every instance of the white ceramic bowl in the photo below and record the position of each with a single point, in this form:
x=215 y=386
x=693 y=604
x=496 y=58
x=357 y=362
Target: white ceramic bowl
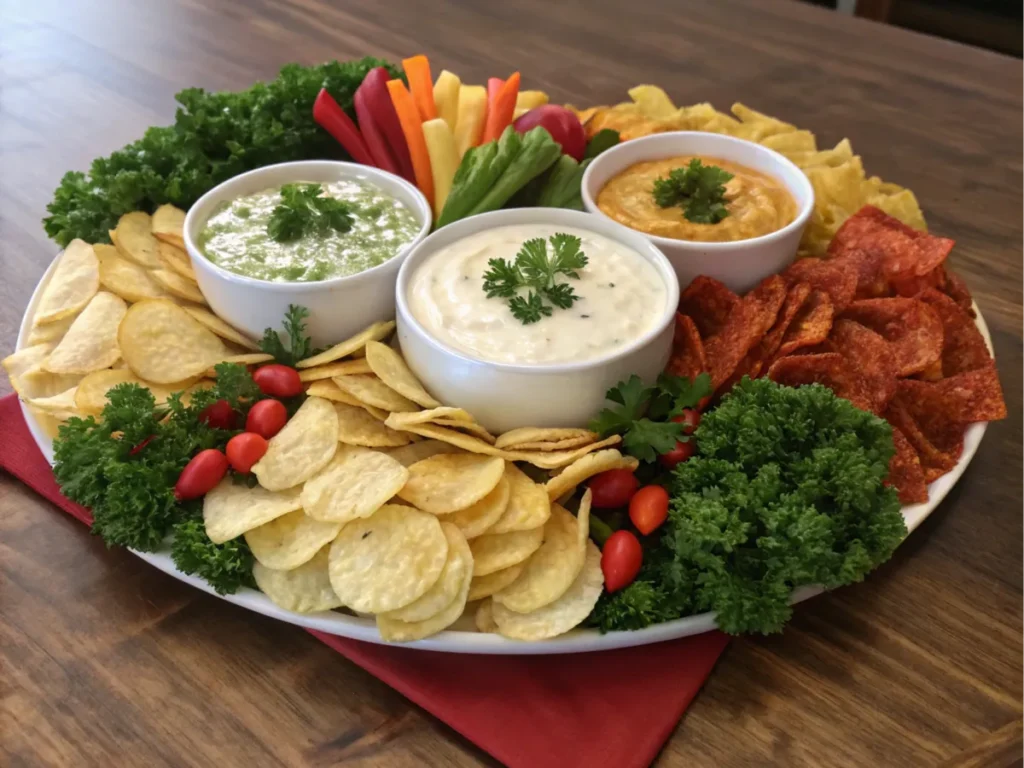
x=740 y=264
x=339 y=307
x=503 y=396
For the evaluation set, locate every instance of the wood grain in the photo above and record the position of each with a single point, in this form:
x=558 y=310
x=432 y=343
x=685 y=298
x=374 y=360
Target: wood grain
x=108 y=662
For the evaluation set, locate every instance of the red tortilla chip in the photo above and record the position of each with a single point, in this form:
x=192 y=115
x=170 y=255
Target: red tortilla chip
x=746 y=326
x=958 y=291
x=913 y=285
x=830 y=370
x=905 y=472
x=870 y=356
x=962 y=399
x=836 y=278
x=963 y=346
x=709 y=303
x=938 y=444
x=912 y=328
x=688 y=358
x=810 y=326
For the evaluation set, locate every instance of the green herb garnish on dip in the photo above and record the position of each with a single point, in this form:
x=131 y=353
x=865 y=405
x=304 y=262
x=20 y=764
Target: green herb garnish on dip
x=698 y=189
x=535 y=270
x=306 y=232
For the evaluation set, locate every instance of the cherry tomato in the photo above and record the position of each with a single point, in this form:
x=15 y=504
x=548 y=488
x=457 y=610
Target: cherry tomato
x=689 y=418
x=564 y=127
x=278 y=380
x=266 y=418
x=620 y=560
x=201 y=475
x=647 y=509
x=245 y=449
x=679 y=454
x=219 y=415
x=613 y=488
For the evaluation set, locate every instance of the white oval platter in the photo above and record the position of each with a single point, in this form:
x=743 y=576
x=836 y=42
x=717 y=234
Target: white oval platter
x=468 y=641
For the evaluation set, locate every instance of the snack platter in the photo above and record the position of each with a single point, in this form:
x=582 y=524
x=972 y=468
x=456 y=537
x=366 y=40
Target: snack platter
x=522 y=379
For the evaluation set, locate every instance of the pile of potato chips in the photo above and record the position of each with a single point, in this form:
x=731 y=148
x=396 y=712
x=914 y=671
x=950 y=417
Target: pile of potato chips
x=840 y=185
x=881 y=322
x=128 y=312
x=354 y=509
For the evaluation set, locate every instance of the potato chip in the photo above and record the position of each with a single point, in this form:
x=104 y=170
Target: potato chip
x=168 y=225
x=290 y=540
x=485 y=586
x=125 y=278
x=528 y=504
x=526 y=436
x=791 y=143
x=331 y=391
x=47 y=422
x=134 y=239
x=870 y=356
x=247 y=358
x=565 y=613
x=219 y=327
x=388 y=560
x=834 y=277
x=91 y=397
x=162 y=343
x=91 y=342
x=74 y=282
x=484 y=617
x=357 y=427
x=178 y=286
x=355 y=484
x=61 y=405
x=231 y=508
x=303 y=589
x=397 y=631
x=449 y=482
x=810 y=325
x=828 y=369
x=652 y=100
x=454 y=418
x=393 y=371
x=470 y=427
x=688 y=359
x=39 y=382
x=552 y=569
x=586 y=467
x=26 y=359
x=40 y=334
x=905 y=472
x=375 y=332
x=457 y=572
x=963 y=346
x=305 y=445
x=176 y=260
x=761 y=125
x=477 y=519
x=496 y=551
x=343 y=368
x=372 y=391
x=912 y=328
x=407 y=455
x=709 y=303
x=753 y=316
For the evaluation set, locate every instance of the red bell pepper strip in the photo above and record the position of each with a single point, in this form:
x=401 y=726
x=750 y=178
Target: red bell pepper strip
x=501 y=109
x=375 y=141
x=378 y=99
x=332 y=118
x=494 y=85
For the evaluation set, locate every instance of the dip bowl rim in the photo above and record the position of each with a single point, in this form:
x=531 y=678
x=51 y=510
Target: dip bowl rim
x=556 y=217
x=200 y=212
x=656 y=150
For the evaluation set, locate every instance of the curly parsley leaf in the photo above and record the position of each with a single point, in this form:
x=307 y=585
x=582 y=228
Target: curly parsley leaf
x=304 y=210
x=536 y=270
x=226 y=567
x=299 y=347
x=698 y=189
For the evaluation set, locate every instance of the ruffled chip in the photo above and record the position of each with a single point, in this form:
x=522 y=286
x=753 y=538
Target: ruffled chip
x=905 y=472
x=745 y=327
x=912 y=328
x=828 y=369
x=963 y=346
x=810 y=325
x=688 y=359
x=709 y=303
x=938 y=449
x=963 y=399
x=871 y=359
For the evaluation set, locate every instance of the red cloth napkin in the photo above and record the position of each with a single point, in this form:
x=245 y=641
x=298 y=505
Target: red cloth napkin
x=612 y=708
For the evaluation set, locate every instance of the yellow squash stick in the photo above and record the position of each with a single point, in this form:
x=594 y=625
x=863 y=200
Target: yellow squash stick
x=527 y=100
x=469 y=126
x=446 y=97
x=443 y=159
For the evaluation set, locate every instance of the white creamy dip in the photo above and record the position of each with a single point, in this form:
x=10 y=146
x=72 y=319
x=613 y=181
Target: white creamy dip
x=622 y=297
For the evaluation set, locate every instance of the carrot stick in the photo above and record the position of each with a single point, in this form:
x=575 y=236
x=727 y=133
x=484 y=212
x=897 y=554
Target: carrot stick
x=417 y=71
x=412 y=128
x=493 y=86
x=499 y=113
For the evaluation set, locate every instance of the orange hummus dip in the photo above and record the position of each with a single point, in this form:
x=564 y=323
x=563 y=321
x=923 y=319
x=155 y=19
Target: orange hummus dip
x=757 y=203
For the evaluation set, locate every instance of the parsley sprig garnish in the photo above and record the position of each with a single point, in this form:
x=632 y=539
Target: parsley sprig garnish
x=304 y=211
x=643 y=416
x=698 y=189
x=535 y=270
x=300 y=346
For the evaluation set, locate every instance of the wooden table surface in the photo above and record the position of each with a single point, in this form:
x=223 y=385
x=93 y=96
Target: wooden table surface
x=106 y=661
